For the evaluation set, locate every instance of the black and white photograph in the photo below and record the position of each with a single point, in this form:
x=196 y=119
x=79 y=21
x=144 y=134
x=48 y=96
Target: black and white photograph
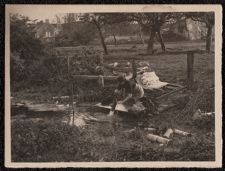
x=113 y=86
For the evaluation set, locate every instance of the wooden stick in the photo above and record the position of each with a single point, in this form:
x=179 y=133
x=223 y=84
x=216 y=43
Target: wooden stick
x=174 y=85
x=69 y=78
x=72 y=103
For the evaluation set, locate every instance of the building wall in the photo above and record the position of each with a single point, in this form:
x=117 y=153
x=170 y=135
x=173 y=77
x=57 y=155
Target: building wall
x=196 y=30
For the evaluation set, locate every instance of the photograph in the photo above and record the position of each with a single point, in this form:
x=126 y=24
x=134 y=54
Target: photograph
x=113 y=86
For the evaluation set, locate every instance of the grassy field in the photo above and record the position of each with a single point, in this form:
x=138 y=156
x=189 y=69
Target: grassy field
x=114 y=140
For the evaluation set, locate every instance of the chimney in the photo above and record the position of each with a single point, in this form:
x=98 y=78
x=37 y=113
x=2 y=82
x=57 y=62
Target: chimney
x=46 y=20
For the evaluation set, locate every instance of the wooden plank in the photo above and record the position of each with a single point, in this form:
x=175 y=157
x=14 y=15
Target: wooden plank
x=174 y=85
x=93 y=77
x=122 y=69
x=119 y=107
x=185 y=51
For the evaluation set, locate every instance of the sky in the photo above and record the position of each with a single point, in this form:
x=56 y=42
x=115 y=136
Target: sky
x=42 y=12
x=38 y=12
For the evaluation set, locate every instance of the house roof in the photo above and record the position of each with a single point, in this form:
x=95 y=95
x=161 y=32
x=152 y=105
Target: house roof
x=41 y=26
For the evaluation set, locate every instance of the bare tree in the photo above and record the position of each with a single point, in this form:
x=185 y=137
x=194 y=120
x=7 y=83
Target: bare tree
x=116 y=27
x=99 y=21
x=113 y=31
x=69 y=19
x=153 y=22
x=58 y=19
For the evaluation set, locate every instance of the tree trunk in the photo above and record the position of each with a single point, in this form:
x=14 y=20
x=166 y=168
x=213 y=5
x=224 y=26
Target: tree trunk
x=209 y=38
x=114 y=37
x=141 y=36
x=160 y=39
x=151 y=42
x=102 y=39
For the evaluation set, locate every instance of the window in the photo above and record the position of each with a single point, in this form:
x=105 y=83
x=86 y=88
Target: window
x=47 y=34
x=36 y=35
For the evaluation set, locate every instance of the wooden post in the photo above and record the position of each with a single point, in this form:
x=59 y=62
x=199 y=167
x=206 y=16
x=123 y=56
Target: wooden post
x=101 y=60
x=190 y=69
x=72 y=102
x=101 y=81
x=134 y=68
x=68 y=66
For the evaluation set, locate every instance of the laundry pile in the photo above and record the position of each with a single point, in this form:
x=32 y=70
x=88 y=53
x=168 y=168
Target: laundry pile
x=149 y=80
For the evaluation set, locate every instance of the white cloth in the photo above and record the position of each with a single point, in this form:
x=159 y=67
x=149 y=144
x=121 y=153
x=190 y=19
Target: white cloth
x=149 y=80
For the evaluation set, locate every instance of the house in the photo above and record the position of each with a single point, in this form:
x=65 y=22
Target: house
x=46 y=31
x=185 y=30
x=196 y=30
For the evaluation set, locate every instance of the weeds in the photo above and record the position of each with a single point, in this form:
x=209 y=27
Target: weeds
x=35 y=141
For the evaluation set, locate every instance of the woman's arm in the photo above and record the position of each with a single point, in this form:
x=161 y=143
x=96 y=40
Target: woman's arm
x=127 y=98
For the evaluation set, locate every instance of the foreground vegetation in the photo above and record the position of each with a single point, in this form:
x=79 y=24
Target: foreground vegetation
x=51 y=141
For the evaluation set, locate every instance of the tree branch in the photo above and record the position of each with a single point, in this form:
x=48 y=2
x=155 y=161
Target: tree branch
x=199 y=20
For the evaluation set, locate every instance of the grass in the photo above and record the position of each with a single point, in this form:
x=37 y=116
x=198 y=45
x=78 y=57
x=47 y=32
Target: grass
x=109 y=142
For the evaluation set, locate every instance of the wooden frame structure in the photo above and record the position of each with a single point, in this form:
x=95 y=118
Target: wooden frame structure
x=190 y=75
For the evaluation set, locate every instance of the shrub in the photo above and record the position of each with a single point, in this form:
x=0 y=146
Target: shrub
x=27 y=54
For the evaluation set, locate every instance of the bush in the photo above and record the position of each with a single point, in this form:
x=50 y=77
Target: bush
x=27 y=54
x=24 y=73
x=199 y=148
x=173 y=37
